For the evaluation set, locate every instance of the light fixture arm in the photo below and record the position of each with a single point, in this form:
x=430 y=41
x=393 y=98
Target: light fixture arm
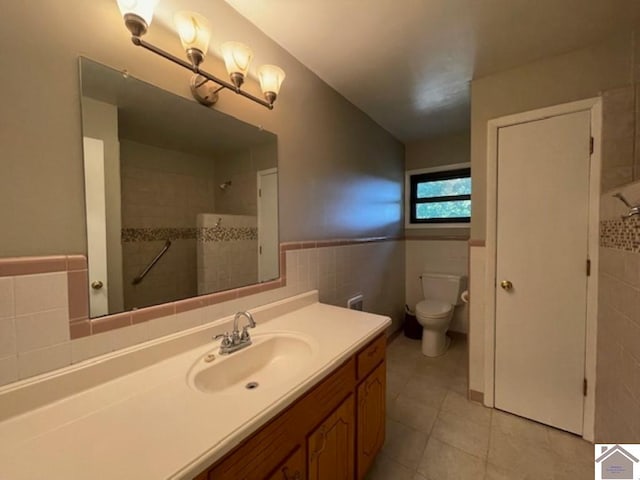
x=196 y=69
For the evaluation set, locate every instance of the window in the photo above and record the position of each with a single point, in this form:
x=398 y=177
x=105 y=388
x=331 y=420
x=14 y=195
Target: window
x=442 y=196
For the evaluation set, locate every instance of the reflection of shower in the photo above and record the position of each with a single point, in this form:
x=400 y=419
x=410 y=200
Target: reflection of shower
x=225 y=185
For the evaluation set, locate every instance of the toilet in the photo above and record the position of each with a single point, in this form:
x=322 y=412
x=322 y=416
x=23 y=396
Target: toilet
x=441 y=296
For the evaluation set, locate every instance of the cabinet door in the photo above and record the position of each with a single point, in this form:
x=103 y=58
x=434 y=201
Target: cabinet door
x=292 y=468
x=371 y=399
x=331 y=446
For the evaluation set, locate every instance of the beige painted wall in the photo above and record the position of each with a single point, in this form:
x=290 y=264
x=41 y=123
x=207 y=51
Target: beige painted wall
x=577 y=75
x=331 y=155
x=438 y=151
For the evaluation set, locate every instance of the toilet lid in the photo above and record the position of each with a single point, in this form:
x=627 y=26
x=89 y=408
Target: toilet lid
x=433 y=308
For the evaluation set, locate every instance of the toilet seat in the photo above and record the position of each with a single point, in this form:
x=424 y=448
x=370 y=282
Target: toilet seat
x=433 y=309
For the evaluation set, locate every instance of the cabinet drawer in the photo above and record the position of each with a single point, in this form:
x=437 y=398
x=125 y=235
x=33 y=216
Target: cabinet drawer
x=293 y=468
x=371 y=356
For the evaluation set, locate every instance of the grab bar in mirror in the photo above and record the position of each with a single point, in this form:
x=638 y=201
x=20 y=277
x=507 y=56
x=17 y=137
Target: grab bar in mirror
x=140 y=277
x=633 y=209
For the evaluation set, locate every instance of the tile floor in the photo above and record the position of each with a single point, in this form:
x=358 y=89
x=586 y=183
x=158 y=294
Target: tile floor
x=435 y=433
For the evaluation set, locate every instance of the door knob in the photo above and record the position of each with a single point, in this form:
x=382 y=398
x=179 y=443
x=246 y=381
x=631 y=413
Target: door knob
x=97 y=285
x=506 y=285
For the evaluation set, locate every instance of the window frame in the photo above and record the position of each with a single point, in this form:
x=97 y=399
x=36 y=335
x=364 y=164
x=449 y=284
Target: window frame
x=445 y=172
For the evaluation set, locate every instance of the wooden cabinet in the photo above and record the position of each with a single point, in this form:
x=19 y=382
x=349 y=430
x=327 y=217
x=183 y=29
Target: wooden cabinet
x=293 y=468
x=371 y=399
x=332 y=432
x=330 y=448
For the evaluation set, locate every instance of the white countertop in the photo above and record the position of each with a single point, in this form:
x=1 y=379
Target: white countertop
x=151 y=424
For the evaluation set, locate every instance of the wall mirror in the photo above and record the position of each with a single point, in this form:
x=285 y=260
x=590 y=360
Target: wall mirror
x=181 y=199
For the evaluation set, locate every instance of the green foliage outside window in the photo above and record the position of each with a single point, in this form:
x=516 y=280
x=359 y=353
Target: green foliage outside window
x=456 y=209
x=444 y=188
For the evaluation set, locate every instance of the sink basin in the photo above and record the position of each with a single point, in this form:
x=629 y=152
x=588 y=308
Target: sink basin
x=271 y=360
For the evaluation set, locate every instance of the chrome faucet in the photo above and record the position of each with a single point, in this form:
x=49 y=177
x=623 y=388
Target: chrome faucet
x=234 y=341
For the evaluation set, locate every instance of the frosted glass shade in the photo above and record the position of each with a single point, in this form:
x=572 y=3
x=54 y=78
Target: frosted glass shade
x=271 y=78
x=142 y=8
x=194 y=31
x=237 y=57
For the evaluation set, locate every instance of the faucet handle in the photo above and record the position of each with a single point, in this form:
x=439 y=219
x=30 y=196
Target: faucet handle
x=226 y=339
x=244 y=337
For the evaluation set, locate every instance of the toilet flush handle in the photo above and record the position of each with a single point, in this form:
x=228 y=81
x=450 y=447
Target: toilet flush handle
x=506 y=285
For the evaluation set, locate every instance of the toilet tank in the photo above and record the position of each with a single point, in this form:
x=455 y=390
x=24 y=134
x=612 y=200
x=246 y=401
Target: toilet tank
x=443 y=287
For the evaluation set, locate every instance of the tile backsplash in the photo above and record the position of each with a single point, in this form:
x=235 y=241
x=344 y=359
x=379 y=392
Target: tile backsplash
x=34 y=329
x=40 y=329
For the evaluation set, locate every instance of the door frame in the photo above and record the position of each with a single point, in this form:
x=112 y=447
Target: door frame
x=594 y=106
x=259 y=175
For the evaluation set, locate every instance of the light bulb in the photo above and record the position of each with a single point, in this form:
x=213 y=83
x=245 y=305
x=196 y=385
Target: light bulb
x=194 y=33
x=271 y=78
x=137 y=14
x=237 y=58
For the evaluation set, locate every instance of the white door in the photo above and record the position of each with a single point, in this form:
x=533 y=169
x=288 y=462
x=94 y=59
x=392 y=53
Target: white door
x=268 y=251
x=94 y=190
x=542 y=242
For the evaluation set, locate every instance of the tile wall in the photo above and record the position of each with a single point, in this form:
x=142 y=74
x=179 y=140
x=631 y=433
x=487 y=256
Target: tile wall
x=162 y=192
x=35 y=311
x=618 y=363
x=37 y=318
x=227 y=251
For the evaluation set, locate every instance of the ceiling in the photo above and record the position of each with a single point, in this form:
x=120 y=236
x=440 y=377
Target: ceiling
x=408 y=63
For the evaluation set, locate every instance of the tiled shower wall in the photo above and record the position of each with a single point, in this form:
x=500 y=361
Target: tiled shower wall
x=618 y=362
x=162 y=192
x=35 y=312
x=227 y=251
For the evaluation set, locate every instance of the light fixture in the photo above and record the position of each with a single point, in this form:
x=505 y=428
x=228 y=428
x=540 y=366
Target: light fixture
x=237 y=57
x=193 y=29
x=271 y=77
x=194 y=33
x=137 y=14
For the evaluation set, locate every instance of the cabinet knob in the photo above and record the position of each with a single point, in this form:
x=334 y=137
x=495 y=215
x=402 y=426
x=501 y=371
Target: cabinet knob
x=287 y=476
x=506 y=285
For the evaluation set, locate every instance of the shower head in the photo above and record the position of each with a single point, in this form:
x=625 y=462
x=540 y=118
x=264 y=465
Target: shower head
x=225 y=185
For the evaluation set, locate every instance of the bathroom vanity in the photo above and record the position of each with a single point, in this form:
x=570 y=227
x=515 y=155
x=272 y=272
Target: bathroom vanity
x=175 y=408
x=332 y=431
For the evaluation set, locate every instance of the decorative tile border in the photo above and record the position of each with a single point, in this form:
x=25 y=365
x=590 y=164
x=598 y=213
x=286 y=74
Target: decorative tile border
x=76 y=267
x=153 y=234
x=203 y=234
x=226 y=234
x=621 y=234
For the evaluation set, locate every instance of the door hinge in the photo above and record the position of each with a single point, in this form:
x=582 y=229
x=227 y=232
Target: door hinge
x=260 y=249
x=588 y=267
x=584 y=387
x=260 y=192
x=591 y=142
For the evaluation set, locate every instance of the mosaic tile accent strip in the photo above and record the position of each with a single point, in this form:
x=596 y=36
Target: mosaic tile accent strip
x=153 y=234
x=205 y=234
x=226 y=234
x=621 y=234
